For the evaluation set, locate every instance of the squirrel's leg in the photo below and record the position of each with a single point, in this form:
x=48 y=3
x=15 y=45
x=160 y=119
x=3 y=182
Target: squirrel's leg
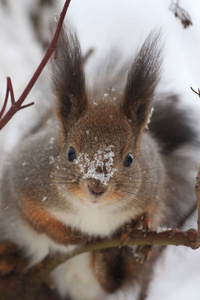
x=142 y=223
x=143 y=252
x=114 y=267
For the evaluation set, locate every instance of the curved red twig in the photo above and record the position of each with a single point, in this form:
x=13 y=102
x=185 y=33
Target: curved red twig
x=17 y=105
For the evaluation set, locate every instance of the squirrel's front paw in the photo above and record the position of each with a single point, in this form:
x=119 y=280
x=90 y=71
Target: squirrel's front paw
x=126 y=231
x=10 y=258
x=142 y=252
x=142 y=223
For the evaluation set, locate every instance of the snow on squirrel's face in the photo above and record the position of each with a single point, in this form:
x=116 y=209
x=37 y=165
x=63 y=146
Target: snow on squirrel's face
x=100 y=167
x=98 y=162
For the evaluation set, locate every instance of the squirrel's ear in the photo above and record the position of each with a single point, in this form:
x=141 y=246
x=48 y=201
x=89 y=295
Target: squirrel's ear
x=141 y=83
x=69 y=79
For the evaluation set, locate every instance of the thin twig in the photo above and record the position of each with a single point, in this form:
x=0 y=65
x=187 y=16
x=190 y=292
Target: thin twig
x=180 y=13
x=16 y=106
x=197 y=192
x=198 y=93
x=10 y=87
x=5 y=101
x=87 y=55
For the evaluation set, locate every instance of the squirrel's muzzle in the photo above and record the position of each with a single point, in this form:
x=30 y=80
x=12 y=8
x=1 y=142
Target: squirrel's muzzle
x=96 y=188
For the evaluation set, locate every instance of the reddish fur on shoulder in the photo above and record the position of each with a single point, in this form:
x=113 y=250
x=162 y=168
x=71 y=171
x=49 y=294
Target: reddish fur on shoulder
x=44 y=223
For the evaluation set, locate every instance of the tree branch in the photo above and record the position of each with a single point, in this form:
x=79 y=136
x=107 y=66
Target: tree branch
x=180 y=13
x=34 y=279
x=17 y=105
x=198 y=93
x=137 y=237
x=197 y=193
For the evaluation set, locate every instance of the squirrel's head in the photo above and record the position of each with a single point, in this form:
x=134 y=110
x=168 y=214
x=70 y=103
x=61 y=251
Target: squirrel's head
x=100 y=140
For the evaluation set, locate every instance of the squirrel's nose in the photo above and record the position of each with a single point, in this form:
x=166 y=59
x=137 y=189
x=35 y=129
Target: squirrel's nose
x=96 y=188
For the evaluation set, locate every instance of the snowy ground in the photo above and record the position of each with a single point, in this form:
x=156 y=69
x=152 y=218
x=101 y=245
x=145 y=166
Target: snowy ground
x=105 y=24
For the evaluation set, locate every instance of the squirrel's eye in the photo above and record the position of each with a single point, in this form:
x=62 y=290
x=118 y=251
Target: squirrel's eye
x=71 y=154
x=128 y=160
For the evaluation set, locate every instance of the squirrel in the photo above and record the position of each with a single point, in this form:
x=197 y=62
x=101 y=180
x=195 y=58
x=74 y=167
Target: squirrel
x=93 y=166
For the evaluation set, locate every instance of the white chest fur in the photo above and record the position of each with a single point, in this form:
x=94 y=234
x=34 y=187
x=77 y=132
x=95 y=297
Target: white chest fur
x=94 y=220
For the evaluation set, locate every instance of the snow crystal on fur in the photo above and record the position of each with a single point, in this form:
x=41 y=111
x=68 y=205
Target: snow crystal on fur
x=103 y=158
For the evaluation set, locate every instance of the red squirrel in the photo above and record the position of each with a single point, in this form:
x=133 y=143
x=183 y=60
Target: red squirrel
x=93 y=167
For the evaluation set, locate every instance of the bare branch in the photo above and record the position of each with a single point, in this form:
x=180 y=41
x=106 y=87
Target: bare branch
x=197 y=192
x=6 y=100
x=10 y=88
x=33 y=280
x=198 y=93
x=16 y=106
x=180 y=13
x=87 y=55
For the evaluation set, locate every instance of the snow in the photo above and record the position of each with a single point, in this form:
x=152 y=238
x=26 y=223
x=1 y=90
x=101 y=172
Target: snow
x=51 y=159
x=103 y=159
x=177 y=273
x=102 y=25
x=149 y=119
x=44 y=198
x=162 y=229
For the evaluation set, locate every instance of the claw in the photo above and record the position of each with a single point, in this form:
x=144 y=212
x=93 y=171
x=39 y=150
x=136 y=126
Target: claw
x=143 y=222
x=142 y=253
x=126 y=232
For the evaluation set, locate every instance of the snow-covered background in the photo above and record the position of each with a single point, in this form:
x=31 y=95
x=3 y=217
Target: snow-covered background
x=104 y=24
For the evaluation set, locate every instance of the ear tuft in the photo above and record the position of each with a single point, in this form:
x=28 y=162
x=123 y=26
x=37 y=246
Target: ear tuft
x=69 y=78
x=141 y=82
